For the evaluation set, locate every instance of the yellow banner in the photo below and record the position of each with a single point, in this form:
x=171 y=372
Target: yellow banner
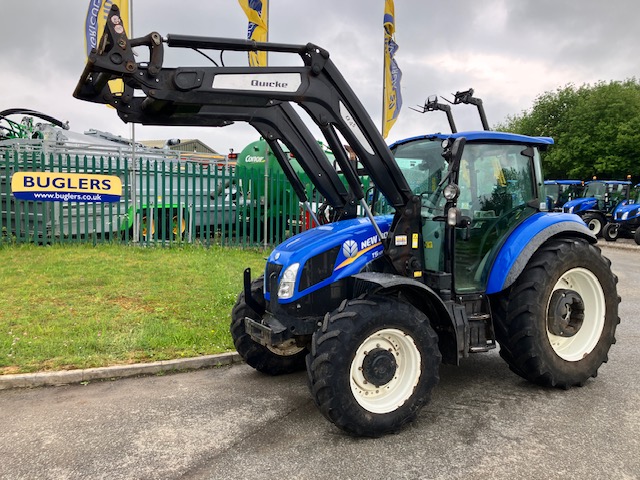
x=392 y=97
x=258 y=27
x=94 y=26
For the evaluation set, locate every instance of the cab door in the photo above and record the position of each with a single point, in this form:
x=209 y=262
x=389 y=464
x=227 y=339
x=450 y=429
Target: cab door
x=496 y=192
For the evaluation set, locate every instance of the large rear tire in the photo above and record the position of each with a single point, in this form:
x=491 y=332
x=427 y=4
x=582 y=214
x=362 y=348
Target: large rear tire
x=278 y=360
x=373 y=365
x=561 y=315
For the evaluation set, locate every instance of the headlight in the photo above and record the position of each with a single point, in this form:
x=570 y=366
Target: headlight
x=451 y=191
x=625 y=215
x=570 y=209
x=288 y=282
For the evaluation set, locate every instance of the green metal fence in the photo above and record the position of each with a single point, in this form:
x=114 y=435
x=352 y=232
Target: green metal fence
x=164 y=201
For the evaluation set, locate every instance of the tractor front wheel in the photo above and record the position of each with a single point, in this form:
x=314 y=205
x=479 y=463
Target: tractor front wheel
x=610 y=232
x=373 y=364
x=275 y=360
x=561 y=315
x=595 y=223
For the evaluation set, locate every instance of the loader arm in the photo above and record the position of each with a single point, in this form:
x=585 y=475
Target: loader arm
x=155 y=94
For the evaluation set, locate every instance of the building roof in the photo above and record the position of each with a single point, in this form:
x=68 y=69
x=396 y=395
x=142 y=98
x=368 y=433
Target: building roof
x=192 y=145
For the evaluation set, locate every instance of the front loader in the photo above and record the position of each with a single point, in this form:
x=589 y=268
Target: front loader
x=371 y=305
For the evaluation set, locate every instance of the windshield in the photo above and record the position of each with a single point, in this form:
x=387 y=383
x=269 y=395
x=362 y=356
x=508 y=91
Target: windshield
x=595 y=189
x=424 y=167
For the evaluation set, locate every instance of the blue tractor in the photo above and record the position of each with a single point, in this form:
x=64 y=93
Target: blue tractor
x=559 y=192
x=599 y=199
x=371 y=305
x=625 y=219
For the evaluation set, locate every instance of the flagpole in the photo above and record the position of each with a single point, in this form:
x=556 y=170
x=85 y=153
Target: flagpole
x=136 y=220
x=384 y=74
x=384 y=70
x=266 y=150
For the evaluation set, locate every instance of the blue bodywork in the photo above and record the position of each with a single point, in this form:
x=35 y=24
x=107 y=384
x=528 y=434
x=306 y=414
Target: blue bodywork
x=359 y=241
x=578 y=205
x=360 y=245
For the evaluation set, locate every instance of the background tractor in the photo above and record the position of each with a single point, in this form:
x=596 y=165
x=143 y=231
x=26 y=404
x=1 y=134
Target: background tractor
x=625 y=219
x=598 y=200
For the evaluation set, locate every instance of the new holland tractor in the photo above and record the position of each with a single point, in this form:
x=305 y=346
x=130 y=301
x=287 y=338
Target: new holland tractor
x=598 y=200
x=372 y=305
x=625 y=219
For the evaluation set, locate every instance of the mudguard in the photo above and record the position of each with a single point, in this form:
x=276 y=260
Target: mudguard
x=448 y=321
x=525 y=240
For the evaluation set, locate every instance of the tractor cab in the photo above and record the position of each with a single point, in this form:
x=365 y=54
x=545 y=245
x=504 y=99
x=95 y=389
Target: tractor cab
x=559 y=192
x=497 y=183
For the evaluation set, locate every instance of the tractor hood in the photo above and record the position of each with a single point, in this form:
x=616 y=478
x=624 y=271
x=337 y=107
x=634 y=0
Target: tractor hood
x=626 y=211
x=580 y=204
x=327 y=253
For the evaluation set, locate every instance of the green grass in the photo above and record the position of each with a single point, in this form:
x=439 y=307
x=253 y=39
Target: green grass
x=80 y=306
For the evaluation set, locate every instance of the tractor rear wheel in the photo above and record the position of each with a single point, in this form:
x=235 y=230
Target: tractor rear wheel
x=373 y=365
x=275 y=360
x=561 y=315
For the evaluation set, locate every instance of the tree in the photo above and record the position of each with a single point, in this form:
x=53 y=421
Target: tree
x=596 y=129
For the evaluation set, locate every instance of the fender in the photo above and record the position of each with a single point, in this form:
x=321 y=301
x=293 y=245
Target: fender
x=525 y=240
x=449 y=325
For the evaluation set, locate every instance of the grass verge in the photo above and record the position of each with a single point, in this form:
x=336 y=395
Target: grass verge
x=81 y=306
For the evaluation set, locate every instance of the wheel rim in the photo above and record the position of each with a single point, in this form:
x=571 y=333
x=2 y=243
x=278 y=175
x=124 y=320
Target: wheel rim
x=587 y=286
x=393 y=394
x=178 y=225
x=286 y=349
x=595 y=226
x=145 y=227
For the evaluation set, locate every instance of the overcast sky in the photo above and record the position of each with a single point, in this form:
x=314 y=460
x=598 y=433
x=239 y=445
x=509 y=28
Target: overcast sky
x=508 y=51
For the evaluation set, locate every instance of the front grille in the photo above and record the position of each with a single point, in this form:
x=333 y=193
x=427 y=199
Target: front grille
x=318 y=268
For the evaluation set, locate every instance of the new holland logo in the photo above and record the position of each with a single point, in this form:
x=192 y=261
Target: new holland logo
x=350 y=249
